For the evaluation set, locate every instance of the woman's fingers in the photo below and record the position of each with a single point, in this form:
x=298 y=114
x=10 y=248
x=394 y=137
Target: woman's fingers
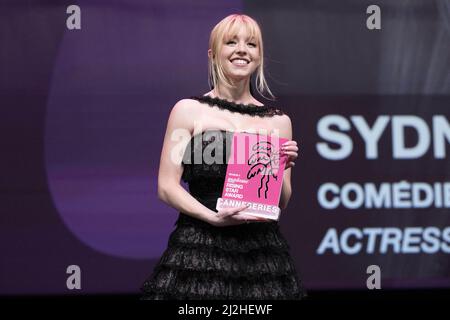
x=249 y=218
x=232 y=216
x=291 y=142
x=288 y=145
x=228 y=212
x=289 y=149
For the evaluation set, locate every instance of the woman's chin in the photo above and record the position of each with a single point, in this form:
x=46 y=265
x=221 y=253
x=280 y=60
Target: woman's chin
x=239 y=75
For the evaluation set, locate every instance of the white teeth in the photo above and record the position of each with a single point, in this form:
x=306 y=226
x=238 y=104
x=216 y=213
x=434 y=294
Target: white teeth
x=240 y=61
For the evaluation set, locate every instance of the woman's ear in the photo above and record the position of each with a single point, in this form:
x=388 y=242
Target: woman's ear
x=210 y=54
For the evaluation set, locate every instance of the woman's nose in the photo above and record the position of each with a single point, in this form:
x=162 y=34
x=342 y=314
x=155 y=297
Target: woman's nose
x=241 y=48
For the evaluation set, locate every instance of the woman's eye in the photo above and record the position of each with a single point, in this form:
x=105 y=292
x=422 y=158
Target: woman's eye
x=252 y=44
x=231 y=42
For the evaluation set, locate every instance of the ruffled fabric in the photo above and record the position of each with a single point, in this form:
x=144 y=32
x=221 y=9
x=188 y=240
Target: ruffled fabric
x=249 y=261
x=188 y=285
x=250 y=109
x=242 y=238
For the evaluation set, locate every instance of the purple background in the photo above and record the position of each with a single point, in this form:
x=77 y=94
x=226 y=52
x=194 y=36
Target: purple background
x=110 y=90
x=83 y=115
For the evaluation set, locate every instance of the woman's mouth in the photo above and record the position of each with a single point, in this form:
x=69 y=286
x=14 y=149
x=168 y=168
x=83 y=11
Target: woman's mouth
x=239 y=62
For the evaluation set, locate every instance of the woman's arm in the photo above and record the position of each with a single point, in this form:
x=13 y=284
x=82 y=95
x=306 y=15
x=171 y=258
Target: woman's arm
x=180 y=126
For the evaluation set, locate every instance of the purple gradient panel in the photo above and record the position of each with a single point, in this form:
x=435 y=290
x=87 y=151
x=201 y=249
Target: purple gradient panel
x=113 y=85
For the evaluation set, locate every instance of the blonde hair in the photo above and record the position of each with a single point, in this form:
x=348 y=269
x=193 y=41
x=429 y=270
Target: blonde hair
x=227 y=28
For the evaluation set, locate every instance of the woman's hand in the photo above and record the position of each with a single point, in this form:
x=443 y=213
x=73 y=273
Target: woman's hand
x=289 y=149
x=232 y=216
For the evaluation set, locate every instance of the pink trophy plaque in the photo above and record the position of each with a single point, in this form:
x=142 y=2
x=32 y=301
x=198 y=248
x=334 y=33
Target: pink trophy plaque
x=254 y=175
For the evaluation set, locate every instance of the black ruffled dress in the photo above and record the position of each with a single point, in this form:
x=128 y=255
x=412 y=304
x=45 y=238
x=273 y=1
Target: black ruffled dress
x=243 y=262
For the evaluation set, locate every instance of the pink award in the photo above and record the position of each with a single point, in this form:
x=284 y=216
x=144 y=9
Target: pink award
x=254 y=175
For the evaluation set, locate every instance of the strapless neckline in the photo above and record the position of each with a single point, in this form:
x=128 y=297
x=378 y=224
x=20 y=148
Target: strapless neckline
x=250 y=109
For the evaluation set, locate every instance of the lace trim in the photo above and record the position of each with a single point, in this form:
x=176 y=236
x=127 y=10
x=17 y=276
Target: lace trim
x=250 y=109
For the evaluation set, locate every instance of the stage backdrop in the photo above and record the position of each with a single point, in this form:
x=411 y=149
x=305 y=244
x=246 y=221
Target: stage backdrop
x=84 y=112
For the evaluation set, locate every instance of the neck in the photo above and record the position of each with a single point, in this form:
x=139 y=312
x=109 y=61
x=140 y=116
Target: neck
x=238 y=94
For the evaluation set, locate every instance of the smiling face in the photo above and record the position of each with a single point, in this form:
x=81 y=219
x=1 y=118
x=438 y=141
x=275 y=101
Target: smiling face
x=235 y=50
x=239 y=55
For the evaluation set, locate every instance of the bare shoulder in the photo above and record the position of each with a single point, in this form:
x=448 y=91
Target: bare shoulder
x=182 y=115
x=185 y=109
x=282 y=120
x=185 y=106
x=283 y=124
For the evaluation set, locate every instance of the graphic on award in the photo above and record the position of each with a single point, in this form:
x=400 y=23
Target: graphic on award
x=254 y=175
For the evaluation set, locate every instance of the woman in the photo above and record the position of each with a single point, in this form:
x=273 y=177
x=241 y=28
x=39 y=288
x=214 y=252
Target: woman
x=223 y=254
